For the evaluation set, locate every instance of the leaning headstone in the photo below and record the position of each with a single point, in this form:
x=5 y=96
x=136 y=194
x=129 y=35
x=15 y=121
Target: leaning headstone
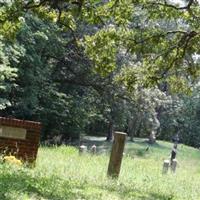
x=166 y=164
x=93 y=149
x=82 y=149
x=19 y=138
x=116 y=154
x=173 y=165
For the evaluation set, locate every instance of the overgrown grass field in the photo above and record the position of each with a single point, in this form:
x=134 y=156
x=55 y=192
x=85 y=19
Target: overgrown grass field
x=62 y=174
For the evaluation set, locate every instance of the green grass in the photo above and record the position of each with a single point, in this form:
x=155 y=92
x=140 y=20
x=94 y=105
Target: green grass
x=61 y=174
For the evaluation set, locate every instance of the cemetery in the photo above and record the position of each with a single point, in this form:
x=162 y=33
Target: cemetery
x=121 y=171
x=99 y=100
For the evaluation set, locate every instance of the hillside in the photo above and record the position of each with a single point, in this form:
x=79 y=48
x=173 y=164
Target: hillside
x=61 y=174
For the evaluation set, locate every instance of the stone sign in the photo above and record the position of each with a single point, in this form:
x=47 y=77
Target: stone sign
x=19 y=138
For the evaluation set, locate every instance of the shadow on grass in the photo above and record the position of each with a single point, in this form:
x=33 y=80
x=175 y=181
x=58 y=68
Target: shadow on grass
x=59 y=189
x=40 y=187
x=143 y=142
x=140 y=147
x=129 y=192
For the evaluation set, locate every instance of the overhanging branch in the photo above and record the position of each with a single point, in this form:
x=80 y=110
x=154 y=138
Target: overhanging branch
x=166 y=4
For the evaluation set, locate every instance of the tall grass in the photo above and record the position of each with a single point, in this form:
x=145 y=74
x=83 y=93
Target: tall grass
x=62 y=174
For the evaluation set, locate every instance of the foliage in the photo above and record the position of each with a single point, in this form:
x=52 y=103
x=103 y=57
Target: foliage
x=40 y=93
x=146 y=114
x=163 y=49
x=12 y=160
x=7 y=75
x=182 y=118
x=97 y=66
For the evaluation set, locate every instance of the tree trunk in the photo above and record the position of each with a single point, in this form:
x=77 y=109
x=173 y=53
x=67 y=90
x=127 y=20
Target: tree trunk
x=152 y=137
x=134 y=126
x=159 y=112
x=131 y=129
x=110 y=132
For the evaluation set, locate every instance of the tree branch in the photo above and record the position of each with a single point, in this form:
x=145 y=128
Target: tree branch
x=29 y=5
x=165 y=4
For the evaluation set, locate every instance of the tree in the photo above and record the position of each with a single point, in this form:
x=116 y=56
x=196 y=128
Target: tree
x=96 y=61
x=7 y=74
x=164 y=50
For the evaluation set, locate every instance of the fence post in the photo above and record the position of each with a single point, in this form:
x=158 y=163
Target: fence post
x=116 y=154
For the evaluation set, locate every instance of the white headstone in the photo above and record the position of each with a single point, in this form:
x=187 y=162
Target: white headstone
x=82 y=149
x=165 y=166
x=93 y=149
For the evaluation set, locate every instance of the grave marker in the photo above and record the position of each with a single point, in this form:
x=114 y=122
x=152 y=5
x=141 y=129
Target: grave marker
x=173 y=165
x=116 y=154
x=82 y=149
x=93 y=149
x=166 y=164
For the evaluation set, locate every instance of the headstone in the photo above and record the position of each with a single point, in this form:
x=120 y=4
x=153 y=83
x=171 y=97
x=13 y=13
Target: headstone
x=173 y=165
x=82 y=149
x=93 y=149
x=116 y=154
x=166 y=164
x=19 y=138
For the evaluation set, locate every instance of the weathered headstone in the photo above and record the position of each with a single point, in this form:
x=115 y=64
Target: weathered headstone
x=82 y=149
x=166 y=164
x=116 y=154
x=19 y=138
x=93 y=149
x=173 y=165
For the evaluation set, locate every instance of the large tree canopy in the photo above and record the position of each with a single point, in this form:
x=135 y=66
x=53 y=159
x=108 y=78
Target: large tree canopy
x=83 y=66
x=161 y=36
